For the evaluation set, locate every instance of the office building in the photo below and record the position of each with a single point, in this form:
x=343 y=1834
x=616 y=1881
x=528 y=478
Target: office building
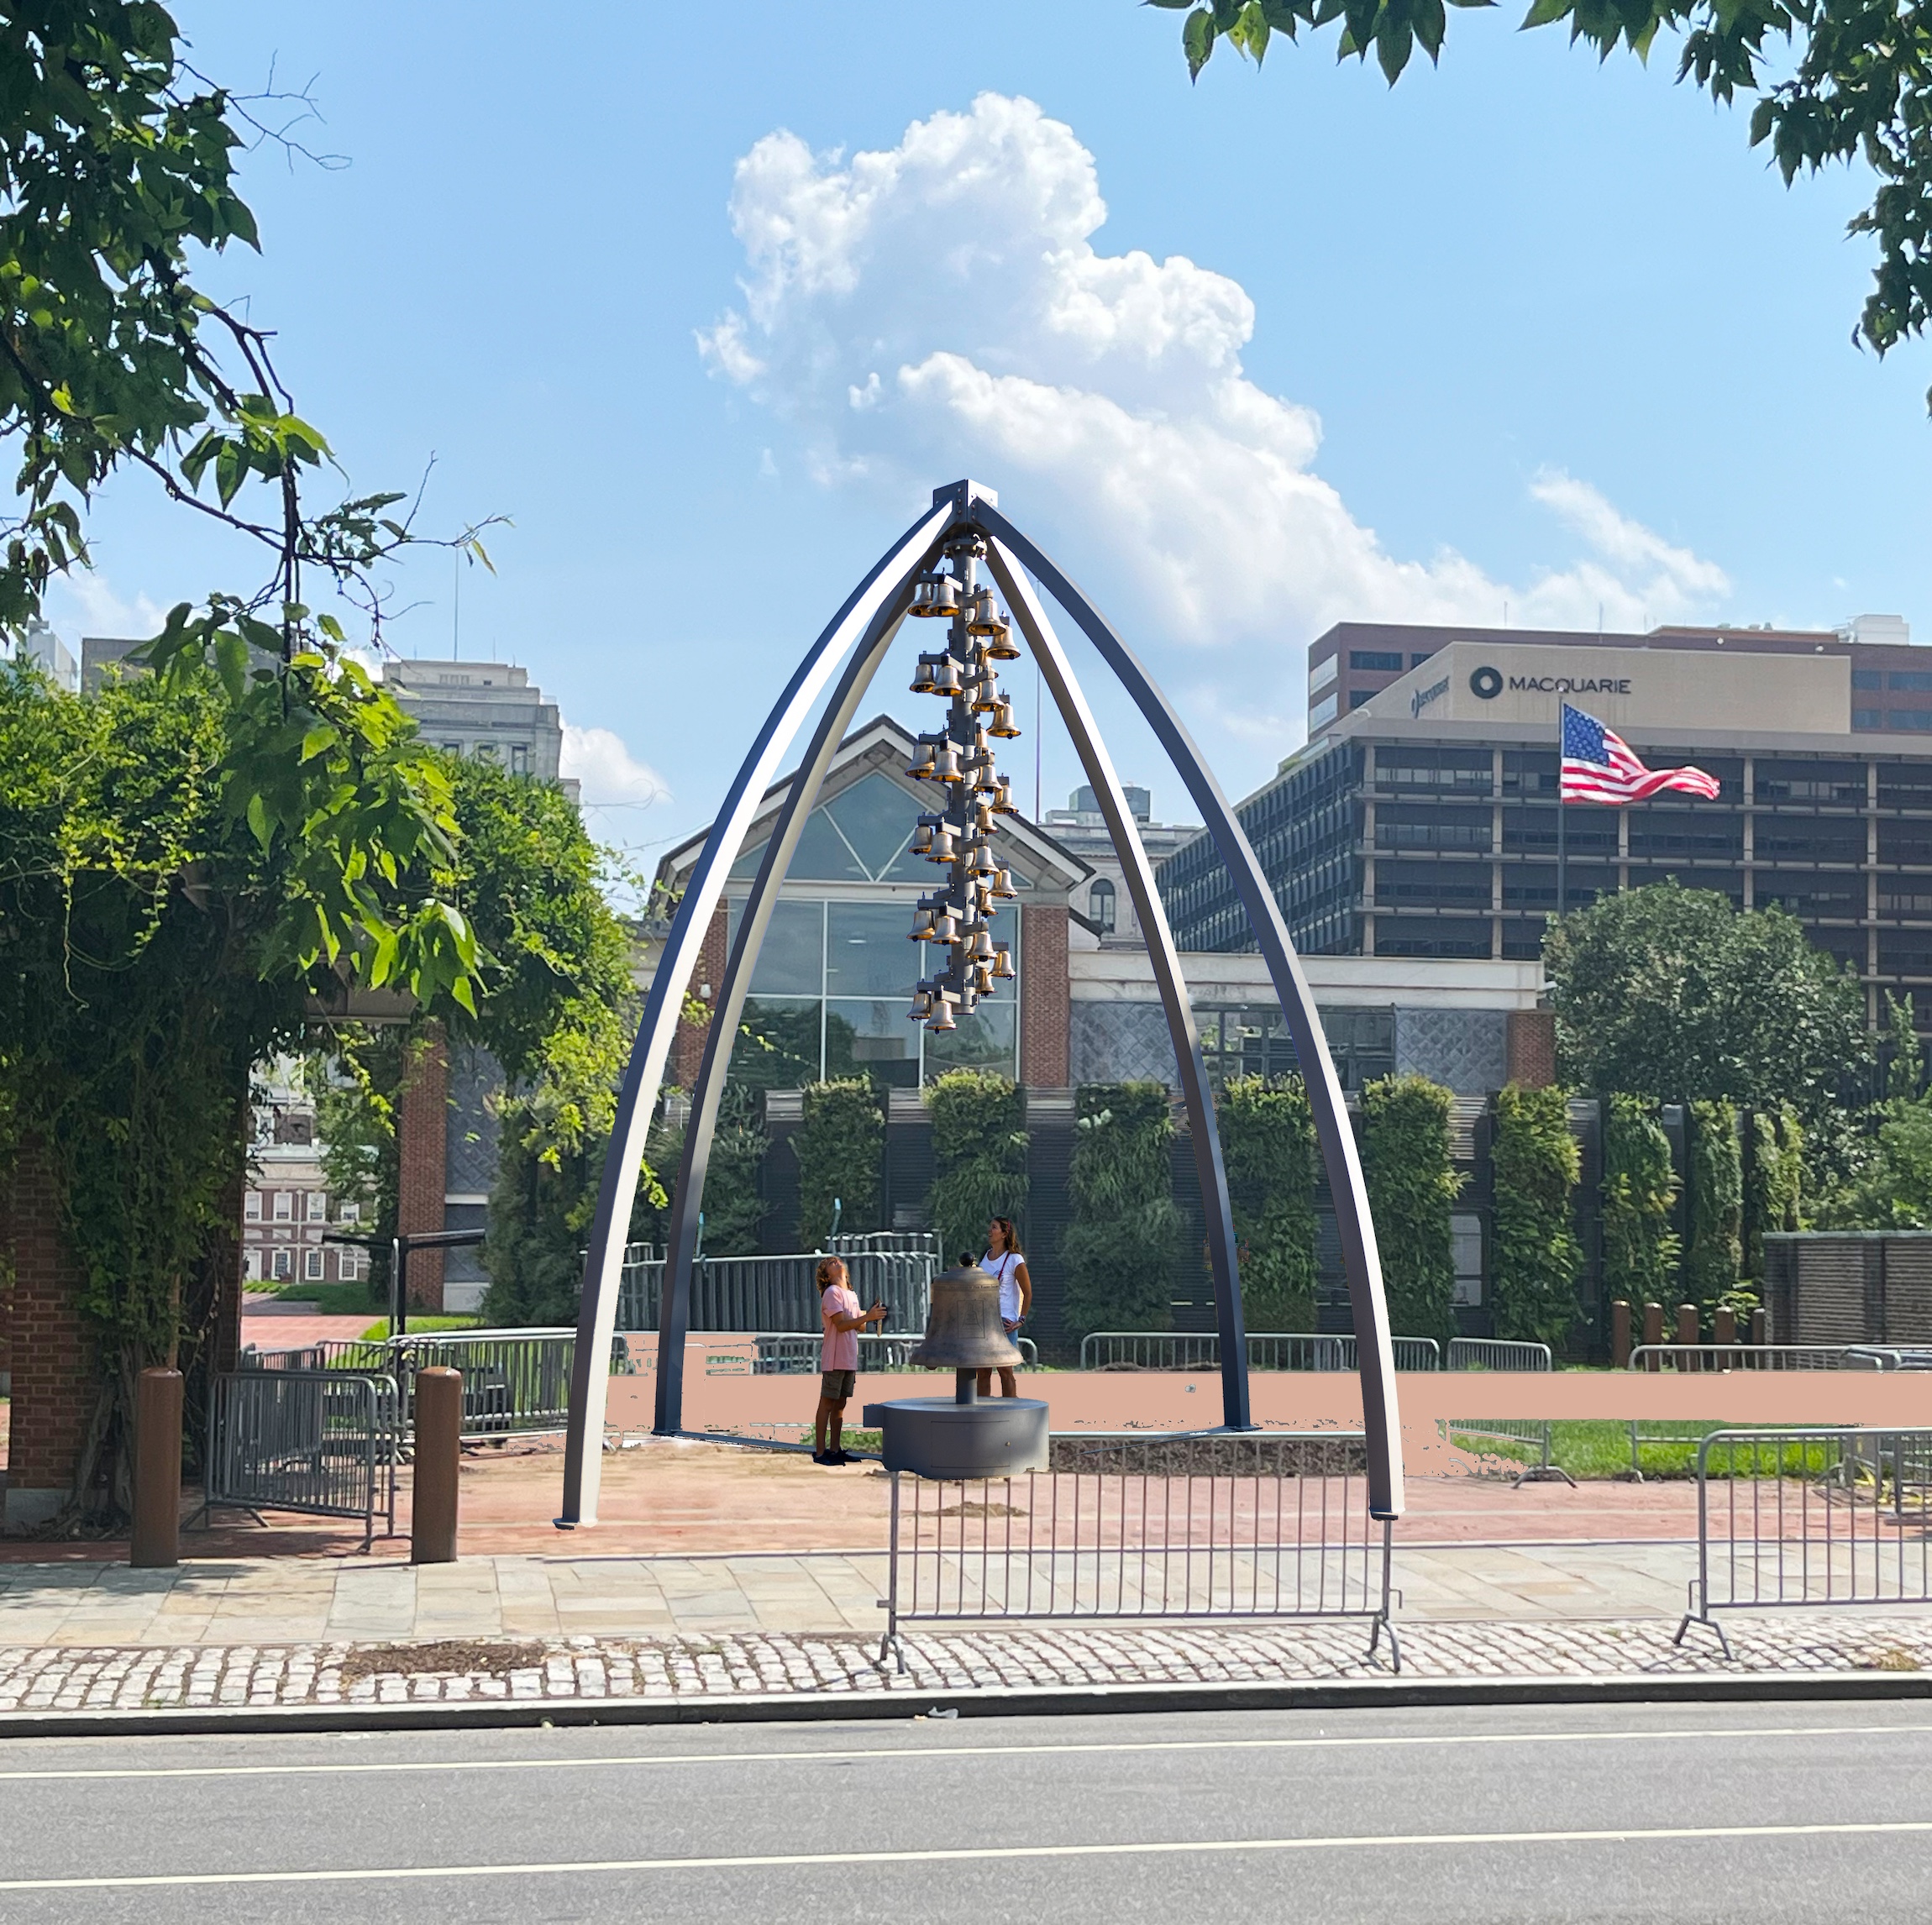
x=1424 y=823
x=485 y=709
x=1103 y=911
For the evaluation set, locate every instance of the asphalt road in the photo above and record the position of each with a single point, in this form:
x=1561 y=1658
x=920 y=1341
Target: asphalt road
x=1772 y=1813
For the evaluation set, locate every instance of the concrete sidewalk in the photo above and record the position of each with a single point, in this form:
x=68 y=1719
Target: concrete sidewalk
x=278 y=1601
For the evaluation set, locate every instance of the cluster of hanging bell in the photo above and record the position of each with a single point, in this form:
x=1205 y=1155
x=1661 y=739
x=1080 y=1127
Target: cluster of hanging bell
x=958 y=918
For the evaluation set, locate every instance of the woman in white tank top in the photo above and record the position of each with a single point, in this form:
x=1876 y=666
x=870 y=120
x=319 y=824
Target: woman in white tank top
x=1004 y=1259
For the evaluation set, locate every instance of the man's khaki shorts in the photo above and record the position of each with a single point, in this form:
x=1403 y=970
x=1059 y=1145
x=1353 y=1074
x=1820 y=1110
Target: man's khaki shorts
x=837 y=1385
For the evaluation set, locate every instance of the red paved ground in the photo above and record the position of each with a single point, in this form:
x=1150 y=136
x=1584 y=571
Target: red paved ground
x=284 y=1333
x=669 y=1499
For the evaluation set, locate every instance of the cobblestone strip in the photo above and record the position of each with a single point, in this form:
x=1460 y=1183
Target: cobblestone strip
x=58 y=1678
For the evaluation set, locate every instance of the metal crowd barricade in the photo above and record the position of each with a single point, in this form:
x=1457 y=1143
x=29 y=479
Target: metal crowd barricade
x=778 y=1294
x=1201 y=1526
x=515 y=1381
x=1533 y=1432
x=1496 y=1353
x=1715 y=1357
x=1267 y=1350
x=1810 y=1517
x=788 y=1353
x=323 y=1442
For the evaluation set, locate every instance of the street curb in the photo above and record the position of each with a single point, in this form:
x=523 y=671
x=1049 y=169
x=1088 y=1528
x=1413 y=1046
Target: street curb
x=1394 y=1693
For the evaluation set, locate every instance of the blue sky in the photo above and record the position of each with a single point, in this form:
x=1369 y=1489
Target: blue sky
x=1525 y=329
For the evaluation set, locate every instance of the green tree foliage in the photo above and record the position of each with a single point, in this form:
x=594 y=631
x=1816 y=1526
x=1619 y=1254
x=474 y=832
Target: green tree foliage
x=1119 y=1250
x=1267 y=1146
x=1641 y=1249
x=1835 y=80
x=1715 y=1254
x=978 y=1156
x=1534 y=1245
x=1773 y=1179
x=1905 y=1072
x=1669 y=992
x=1411 y=1185
x=841 y=1148
x=181 y=860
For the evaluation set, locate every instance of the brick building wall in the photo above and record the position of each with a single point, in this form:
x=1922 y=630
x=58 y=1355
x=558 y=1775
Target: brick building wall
x=1045 y=997
x=421 y=1154
x=688 y=1046
x=48 y=1354
x=1532 y=1047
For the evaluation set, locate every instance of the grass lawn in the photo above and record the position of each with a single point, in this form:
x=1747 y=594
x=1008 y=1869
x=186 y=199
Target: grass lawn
x=420 y=1326
x=1601 y=1448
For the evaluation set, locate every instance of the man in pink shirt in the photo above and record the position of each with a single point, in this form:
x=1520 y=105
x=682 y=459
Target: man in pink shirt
x=839 y=1311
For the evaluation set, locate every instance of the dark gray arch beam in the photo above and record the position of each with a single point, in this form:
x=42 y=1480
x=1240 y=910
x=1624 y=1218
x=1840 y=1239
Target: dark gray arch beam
x=1361 y=1262
x=727 y=1009
x=1217 y=1218
x=643 y=1075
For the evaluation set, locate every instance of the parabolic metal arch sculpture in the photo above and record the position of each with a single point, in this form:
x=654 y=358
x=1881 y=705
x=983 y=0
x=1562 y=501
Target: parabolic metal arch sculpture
x=858 y=638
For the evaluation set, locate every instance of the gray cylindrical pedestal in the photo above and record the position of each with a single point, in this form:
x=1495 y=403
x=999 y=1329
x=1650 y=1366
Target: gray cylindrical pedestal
x=935 y=1437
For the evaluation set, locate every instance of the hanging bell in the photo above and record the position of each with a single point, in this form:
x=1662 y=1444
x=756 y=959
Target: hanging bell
x=1003 y=723
x=982 y=617
x=923 y=675
x=980 y=948
x=983 y=817
x=946 y=595
x=943 y=848
x=1003 y=800
x=1001 y=647
x=921 y=765
x=946 y=677
x=941 y=1019
x=945 y=769
x=922 y=1006
x=923 y=592
x=986 y=778
x=1002 y=890
x=1002 y=965
x=979 y=857
x=921 y=929
x=982 y=977
x=922 y=842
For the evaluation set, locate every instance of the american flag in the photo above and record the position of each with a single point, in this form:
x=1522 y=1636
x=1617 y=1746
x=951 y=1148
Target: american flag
x=1598 y=767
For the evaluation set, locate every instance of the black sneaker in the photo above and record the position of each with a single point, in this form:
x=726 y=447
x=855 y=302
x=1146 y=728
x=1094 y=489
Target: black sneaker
x=824 y=1457
x=837 y=1457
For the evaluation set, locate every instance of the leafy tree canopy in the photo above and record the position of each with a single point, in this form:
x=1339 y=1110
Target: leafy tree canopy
x=1833 y=79
x=1671 y=993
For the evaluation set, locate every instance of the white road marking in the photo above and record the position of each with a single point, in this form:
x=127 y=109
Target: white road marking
x=763 y=1861
x=893 y=1753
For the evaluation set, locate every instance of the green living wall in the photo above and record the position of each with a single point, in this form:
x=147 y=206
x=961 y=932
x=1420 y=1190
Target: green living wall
x=1118 y=1252
x=1641 y=1249
x=1535 y=1255
x=841 y=1150
x=1268 y=1144
x=1412 y=1182
x=979 y=1157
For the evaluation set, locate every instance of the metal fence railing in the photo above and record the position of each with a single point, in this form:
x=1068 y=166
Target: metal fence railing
x=1267 y=1350
x=889 y=1243
x=753 y=1293
x=514 y=1381
x=1810 y=1517
x=1527 y=1457
x=1496 y=1353
x=322 y=1442
x=1715 y=1357
x=790 y=1354
x=1269 y=1526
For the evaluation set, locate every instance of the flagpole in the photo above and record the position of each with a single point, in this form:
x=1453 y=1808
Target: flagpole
x=1563 y=838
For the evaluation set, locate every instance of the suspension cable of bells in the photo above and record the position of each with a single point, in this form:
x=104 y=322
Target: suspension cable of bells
x=958 y=918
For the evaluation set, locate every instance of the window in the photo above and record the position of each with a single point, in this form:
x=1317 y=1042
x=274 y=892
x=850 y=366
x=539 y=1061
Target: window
x=1376 y=661
x=312 y=1265
x=1867 y=678
x=1910 y=722
x=284 y=1206
x=349 y=1267
x=1324 y=711
x=1868 y=718
x=251 y=1207
x=520 y=757
x=1417 y=659
x=251 y=1265
x=1356 y=697
x=349 y=1211
x=485 y=752
x=1323 y=672
x=1100 y=903
x=1916 y=680
x=315 y=1209
x=283 y=1262
x=450 y=748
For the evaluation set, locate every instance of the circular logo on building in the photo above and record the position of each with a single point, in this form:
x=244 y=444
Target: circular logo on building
x=1487 y=683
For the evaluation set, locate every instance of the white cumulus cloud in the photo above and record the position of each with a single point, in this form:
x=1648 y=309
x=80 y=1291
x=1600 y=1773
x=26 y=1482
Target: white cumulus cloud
x=612 y=777
x=942 y=308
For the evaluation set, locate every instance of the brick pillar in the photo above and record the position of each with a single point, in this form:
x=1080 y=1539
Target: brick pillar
x=1532 y=1047
x=1046 y=1003
x=54 y=1384
x=688 y=1046
x=422 y=1145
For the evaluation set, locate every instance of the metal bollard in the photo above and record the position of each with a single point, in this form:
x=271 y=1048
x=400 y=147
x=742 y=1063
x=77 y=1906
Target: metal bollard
x=439 y=1462
x=157 y=1533
x=1620 y=1334
x=1689 y=1334
x=1653 y=1331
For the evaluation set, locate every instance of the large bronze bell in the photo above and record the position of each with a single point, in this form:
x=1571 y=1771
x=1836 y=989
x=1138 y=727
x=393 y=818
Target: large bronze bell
x=963 y=1330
